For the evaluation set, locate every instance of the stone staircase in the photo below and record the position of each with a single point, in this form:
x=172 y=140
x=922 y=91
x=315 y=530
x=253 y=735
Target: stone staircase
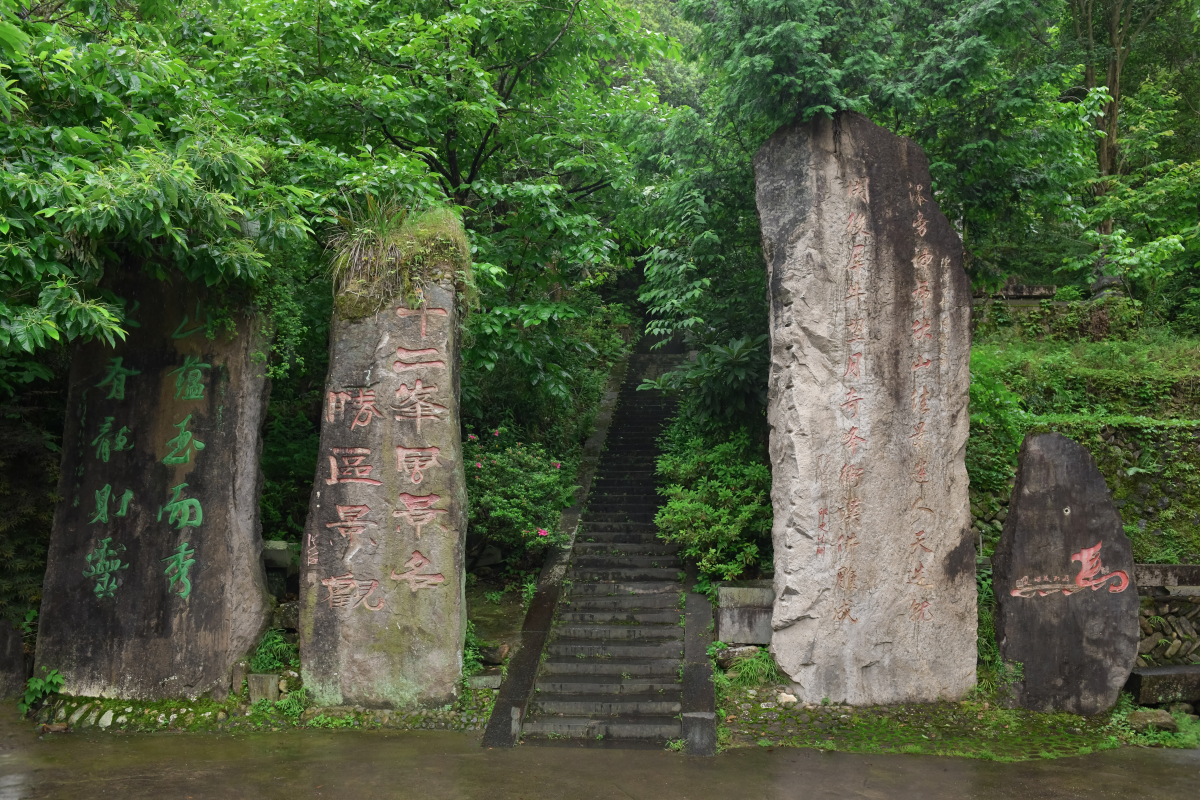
x=612 y=665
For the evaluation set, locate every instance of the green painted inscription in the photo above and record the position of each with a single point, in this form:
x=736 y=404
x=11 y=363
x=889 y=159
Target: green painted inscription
x=103 y=563
x=114 y=379
x=178 y=565
x=107 y=441
x=182 y=445
x=182 y=513
x=189 y=383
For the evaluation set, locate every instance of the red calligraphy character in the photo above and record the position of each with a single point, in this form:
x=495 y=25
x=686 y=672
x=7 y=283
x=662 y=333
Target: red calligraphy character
x=857 y=257
x=417 y=359
x=852 y=401
x=918 y=576
x=850 y=475
x=853 y=362
x=917 y=197
x=822 y=528
x=415 y=460
x=418 y=510
x=423 y=312
x=856 y=330
x=921 y=611
x=922 y=259
x=846 y=541
x=351 y=469
x=852 y=440
x=920 y=364
x=920 y=222
x=345 y=591
x=851 y=510
x=415 y=578
x=923 y=294
x=918 y=435
x=860 y=189
x=855 y=292
x=846 y=578
x=351 y=524
x=417 y=404
x=857 y=226
x=336 y=405
x=365 y=410
x=920 y=475
x=920 y=329
x=920 y=400
x=843 y=612
x=919 y=542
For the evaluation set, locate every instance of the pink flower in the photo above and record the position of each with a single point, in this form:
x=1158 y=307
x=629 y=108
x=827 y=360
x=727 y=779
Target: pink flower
x=497 y=432
x=556 y=464
x=543 y=532
x=479 y=465
x=472 y=436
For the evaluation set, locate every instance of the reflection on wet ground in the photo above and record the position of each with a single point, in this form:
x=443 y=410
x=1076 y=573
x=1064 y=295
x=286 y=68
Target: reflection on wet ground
x=382 y=764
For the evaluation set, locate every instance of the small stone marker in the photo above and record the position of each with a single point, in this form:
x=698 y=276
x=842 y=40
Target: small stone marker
x=263 y=686
x=382 y=611
x=1063 y=577
x=153 y=584
x=875 y=598
x=12 y=660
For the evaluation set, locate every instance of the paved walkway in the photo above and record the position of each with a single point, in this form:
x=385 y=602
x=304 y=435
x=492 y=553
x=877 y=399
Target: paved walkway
x=443 y=766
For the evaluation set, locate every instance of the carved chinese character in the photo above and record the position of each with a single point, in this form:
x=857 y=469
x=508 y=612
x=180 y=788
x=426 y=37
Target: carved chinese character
x=857 y=226
x=846 y=541
x=853 y=362
x=920 y=329
x=852 y=440
x=917 y=578
x=920 y=223
x=417 y=404
x=418 y=510
x=415 y=460
x=183 y=444
x=178 y=565
x=103 y=566
x=106 y=441
x=850 y=510
x=418 y=580
x=182 y=513
x=919 y=542
x=855 y=292
x=920 y=400
x=859 y=188
x=917 y=197
x=850 y=475
x=102 y=500
x=856 y=330
x=846 y=578
x=857 y=257
x=920 y=364
x=189 y=385
x=114 y=379
x=365 y=410
x=923 y=294
x=920 y=475
x=416 y=359
x=852 y=401
x=345 y=591
x=423 y=312
x=922 y=260
x=918 y=435
x=351 y=469
x=351 y=524
x=336 y=405
x=842 y=612
x=311 y=549
x=921 y=611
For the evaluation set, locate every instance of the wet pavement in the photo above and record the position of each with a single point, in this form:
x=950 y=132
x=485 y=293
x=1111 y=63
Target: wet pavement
x=382 y=764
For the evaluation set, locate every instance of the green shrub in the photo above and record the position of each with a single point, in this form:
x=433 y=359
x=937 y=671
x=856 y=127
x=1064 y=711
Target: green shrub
x=718 y=492
x=38 y=690
x=294 y=704
x=472 y=661
x=274 y=653
x=516 y=493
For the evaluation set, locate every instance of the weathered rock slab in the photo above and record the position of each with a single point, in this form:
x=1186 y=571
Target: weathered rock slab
x=744 y=612
x=875 y=598
x=382 y=605
x=1156 y=685
x=1067 y=620
x=154 y=585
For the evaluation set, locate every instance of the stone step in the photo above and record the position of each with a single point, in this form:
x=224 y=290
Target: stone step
x=661 y=616
x=623 y=603
x=619 y=575
x=648 y=728
x=609 y=685
x=620 y=538
x=583 y=648
x=646 y=704
x=649 y=548
x=633 y=516
x=555 y=667
x=596 y=526
x=620 y=634
x=619 y=589
x=611 y=504
x=590 y=561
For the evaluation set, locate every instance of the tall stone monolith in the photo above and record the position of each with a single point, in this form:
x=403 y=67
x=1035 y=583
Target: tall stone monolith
x=382 y=606
x=1067 y=621
x=870 y=342
x=154 y=587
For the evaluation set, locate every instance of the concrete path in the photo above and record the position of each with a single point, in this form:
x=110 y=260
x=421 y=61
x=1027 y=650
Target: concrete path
x=442 y=766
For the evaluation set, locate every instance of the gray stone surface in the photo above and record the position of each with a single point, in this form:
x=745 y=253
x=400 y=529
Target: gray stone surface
x=1063 y=577
x=744 y=612
x=12 y=661
x=867 y=402
x=154 y=585
x=1155 y=685
x=382 y=608
x=1159 y=719
x=263 y=686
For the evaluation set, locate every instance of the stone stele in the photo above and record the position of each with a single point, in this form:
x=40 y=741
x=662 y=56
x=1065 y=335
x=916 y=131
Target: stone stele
x=1063 y=576
x=382 y=606
x=154 y=587
x=867 y=401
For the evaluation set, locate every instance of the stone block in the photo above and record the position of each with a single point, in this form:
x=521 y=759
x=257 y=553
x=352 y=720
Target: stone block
x=485 y=681
x=287 y=616
x=154 y=586
x=238 y=676
x=1063 y=575
x=263 y=686
x=382 y=607
x=744 y=612
x=1160 y=685
x=700 y=732
x=870 y=310
x=1161 y=720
